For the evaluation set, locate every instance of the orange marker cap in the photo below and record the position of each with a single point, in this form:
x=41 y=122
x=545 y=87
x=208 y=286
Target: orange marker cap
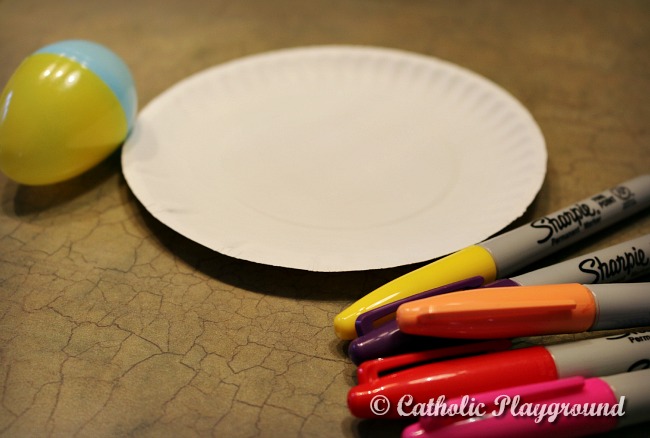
x=501 y=312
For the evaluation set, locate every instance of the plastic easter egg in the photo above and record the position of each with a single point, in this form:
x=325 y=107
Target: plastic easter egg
x=65 y=109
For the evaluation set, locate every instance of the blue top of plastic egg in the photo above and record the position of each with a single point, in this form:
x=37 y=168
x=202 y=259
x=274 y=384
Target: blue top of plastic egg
x=105 y=64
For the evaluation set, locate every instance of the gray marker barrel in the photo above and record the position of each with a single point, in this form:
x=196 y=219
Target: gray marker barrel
x=517 y=248
x=602 y=356
x=618 y=263
x=621 y=305
x=635 y=387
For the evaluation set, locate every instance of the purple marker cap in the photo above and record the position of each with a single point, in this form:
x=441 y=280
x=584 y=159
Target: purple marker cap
x=388 y=340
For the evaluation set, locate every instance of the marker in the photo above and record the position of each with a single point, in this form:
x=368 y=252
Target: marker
x=618 y=263
x=504 y=254
x=573 y=407
x=509 y=312
x=390 y=380
x=388 y=340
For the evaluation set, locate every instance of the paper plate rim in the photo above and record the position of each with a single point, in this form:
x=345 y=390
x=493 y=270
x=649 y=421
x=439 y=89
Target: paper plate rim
x=328 y=260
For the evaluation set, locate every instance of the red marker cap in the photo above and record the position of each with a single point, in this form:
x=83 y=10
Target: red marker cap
x=385 y=386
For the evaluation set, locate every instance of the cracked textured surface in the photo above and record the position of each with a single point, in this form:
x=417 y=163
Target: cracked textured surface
x=111 y=324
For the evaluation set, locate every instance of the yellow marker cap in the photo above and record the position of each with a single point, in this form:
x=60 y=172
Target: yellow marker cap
x=469 y=262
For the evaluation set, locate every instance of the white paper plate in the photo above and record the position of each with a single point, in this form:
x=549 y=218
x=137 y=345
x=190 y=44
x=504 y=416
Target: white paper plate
x=335 y=158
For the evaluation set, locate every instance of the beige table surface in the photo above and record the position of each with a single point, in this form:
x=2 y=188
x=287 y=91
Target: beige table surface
x=111 y=324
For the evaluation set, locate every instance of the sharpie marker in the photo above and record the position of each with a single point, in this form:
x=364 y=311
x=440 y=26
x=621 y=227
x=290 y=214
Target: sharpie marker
x=385 y=383
x=502 y=255
x=570 y=407
x=619 y=263
x=507 y=312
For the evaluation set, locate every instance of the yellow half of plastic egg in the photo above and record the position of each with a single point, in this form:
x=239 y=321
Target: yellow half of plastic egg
x=57 y=120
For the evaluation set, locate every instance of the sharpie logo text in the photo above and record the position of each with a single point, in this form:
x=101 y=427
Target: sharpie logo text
x=622 y=266
x=580 y=215
x=632 y=337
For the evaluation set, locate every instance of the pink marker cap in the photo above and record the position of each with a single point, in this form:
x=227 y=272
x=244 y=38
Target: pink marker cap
x=504 y=418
